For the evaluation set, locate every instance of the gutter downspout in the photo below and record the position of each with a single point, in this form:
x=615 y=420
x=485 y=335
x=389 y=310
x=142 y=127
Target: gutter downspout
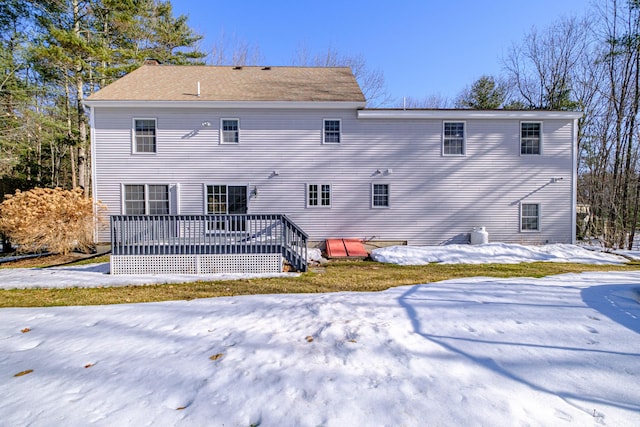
x=94 y=188
x=574 y=180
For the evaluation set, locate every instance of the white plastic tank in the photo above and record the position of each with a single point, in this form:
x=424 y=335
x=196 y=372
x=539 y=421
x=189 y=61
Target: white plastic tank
x=479 y=235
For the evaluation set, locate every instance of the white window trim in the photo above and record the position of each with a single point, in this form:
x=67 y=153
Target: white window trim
x=464 y=139
x=520 y=137
x=539 y=217
x=324 y=134
x=123 y=194
x=388 y=195
x=222 y=132
x=319 y=205
x=133 y=137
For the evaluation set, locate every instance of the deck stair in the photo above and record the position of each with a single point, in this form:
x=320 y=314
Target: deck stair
x=346 y=248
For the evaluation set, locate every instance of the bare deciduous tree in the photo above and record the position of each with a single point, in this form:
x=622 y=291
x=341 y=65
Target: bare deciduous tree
x=595 y=68
x=435 y=101
x=232 y=50
x=372 y=81
x=540 y=68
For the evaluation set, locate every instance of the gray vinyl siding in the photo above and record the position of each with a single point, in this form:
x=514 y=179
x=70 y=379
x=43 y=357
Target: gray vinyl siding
x=433 y=198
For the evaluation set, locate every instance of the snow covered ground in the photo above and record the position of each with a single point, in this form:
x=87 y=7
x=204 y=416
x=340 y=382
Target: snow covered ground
x=557 y=351
x=562 y=350
x=501 y=253
x=97 y=275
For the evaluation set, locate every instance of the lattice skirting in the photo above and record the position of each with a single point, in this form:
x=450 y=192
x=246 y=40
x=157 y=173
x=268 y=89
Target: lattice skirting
x=196 y=264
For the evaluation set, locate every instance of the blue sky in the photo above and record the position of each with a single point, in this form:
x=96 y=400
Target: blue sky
x=423 y=47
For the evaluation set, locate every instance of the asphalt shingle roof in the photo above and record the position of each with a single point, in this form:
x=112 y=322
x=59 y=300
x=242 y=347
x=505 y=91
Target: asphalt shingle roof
x=225 y=83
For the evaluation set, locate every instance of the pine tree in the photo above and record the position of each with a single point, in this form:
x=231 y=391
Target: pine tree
x=484 y=94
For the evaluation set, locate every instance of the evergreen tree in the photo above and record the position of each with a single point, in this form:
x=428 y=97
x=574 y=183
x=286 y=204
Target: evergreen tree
x=14 y=84
x=484 y=94
x=81 y=46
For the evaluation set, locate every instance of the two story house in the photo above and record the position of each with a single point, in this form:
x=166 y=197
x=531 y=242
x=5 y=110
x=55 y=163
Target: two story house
x=175 y=140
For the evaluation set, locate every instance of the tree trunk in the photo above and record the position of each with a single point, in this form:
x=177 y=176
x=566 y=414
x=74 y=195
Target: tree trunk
x=82 y=121
x=72 y=161
x=72 y=158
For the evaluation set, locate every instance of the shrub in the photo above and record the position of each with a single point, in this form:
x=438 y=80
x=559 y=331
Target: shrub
x=48 y=219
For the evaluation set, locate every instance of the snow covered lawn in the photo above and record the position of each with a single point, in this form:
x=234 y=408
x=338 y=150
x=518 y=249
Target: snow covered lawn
x=563 y=350
x=97 y=275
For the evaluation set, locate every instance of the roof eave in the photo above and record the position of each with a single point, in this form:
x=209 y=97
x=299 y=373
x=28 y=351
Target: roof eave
x=226 y=104
x=468 y=114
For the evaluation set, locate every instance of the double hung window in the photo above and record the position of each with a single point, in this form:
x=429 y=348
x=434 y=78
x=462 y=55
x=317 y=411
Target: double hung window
x=146 y=199
x=530 y=217
x=453 y=142
x=331 y=134
x=230 y=131
x=380 y=195
x=144 y=139
x=530 y=138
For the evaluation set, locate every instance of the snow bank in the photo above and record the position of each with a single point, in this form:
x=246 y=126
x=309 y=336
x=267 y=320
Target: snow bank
x=500 y=253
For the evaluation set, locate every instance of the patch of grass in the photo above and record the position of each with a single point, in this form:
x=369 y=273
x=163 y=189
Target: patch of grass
x=53 y=260
x=357 y=276
x=92 y=260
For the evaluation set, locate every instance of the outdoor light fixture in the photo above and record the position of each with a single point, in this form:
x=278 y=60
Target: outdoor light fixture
x=206 y=124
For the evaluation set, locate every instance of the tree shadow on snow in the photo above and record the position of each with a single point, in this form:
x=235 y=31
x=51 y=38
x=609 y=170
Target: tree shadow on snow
x=570 y=397
x=620 y=303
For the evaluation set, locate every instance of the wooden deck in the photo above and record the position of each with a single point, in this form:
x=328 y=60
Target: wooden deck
x=184 y=235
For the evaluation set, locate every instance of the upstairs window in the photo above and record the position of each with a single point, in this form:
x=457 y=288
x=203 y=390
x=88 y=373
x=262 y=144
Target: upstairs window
x=331 y=133
x=380 y=196
x=230 y=129
x=453 y=139
x=530 y=138
x=318 y=195
x=151 y=199
x=530 y=217
x=144 y=136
